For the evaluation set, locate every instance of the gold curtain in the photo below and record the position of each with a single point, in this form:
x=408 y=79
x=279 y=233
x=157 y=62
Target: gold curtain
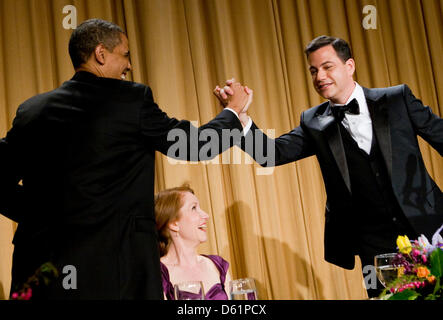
x=267 y=224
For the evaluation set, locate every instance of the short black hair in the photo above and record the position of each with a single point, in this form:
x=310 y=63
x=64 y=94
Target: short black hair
x=340 y=46
x=88 y=35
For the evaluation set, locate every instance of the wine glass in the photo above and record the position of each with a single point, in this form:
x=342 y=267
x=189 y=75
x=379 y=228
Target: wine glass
x=243 y=289
x=189 y=290
x=386 y=270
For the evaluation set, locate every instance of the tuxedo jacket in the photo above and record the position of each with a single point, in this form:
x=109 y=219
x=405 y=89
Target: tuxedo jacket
x=85 y=153
x=398 y=118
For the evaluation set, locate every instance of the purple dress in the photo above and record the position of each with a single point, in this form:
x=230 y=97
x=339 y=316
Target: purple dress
x=217 y=291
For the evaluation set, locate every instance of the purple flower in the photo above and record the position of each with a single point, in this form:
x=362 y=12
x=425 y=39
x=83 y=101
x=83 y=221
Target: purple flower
x=424 y=243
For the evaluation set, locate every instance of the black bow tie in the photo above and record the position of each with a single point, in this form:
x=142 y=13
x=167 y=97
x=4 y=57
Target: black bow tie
x=339 y=111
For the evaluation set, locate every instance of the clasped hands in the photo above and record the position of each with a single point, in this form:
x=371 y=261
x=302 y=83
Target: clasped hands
x=236 y=97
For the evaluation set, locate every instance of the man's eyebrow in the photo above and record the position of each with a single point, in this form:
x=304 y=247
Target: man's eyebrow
x=312 y=67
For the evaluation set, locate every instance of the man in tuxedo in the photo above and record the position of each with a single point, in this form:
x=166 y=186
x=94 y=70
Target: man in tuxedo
x=366 y=143
x=11 y=193
x=85 y=153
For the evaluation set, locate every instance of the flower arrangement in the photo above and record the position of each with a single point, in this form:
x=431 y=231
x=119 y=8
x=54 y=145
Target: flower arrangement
x=420 y=269
x=41 y=279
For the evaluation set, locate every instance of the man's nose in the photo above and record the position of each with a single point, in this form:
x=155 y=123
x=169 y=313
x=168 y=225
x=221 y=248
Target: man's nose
x=321 y=74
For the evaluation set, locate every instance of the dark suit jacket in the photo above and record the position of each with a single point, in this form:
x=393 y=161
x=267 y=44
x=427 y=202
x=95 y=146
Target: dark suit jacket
x=85 y=152
x=11 y=193
x=397 y=118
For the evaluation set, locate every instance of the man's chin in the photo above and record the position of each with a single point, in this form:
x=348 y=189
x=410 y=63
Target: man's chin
x=324 y=95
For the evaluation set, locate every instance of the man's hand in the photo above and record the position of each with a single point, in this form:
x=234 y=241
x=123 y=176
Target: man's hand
x=228 y=93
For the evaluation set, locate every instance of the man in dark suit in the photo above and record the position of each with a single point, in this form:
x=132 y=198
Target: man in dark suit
x=366 y=143
x=85 y=154
x=11 y=193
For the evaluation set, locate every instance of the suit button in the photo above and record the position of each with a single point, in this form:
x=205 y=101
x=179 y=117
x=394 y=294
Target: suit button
x=377 y=174
x=394 y=219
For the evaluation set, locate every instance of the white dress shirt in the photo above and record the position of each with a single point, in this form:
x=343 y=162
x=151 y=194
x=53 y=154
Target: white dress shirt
x=359 y=125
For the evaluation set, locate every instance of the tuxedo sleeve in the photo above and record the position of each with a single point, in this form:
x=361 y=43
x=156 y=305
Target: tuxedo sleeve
x=180 y=139
x=269 y=152
x=427 y=124
x=11 y=193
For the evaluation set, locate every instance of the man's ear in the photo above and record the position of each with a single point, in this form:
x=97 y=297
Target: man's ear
x=350 y=65
x=99 y=53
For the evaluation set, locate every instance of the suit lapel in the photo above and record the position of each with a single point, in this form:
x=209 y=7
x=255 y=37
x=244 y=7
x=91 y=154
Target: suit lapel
x=335 y=141
x=326 y=123
x=380 y=122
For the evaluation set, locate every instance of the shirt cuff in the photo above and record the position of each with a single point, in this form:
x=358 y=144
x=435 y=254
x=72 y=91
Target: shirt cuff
x=247 y=127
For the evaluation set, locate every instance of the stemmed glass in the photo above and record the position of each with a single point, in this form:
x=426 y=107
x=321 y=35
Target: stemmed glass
x=189 y=290
x=385 y=268
x=243 y=289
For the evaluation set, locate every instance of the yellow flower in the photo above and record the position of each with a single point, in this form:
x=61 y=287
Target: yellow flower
x=422 y=272
x=403 y=244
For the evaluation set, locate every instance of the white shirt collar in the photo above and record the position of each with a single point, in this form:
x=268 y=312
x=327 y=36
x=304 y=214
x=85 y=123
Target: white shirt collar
x=358 y=94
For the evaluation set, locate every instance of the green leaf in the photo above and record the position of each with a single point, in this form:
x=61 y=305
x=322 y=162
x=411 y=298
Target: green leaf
x=437 y=262
x=405 y=295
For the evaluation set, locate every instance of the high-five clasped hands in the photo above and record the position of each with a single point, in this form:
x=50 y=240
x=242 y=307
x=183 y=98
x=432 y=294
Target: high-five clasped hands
x=236 y=97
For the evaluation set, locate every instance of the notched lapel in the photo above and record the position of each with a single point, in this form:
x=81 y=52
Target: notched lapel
x=380 y=121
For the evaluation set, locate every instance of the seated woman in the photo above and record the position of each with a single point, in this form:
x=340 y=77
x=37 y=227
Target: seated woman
x=182 y=225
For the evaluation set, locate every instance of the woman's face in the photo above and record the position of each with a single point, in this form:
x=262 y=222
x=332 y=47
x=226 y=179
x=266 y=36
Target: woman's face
x=192 y=221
